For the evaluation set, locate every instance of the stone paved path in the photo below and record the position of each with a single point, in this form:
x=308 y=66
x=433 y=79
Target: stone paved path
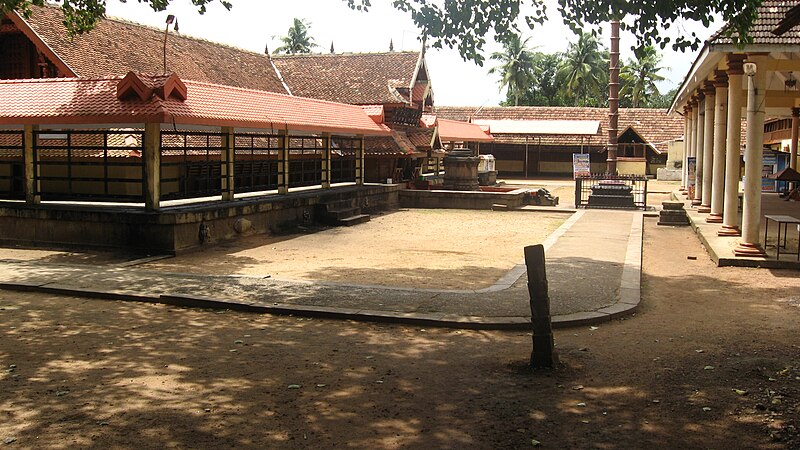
x=593 y=265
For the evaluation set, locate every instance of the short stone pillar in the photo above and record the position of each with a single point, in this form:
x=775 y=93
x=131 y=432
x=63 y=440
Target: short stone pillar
x=673 y=214
x=461 y=171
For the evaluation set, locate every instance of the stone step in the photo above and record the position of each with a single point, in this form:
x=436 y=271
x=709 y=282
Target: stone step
x=354 y=220
x=343 y=213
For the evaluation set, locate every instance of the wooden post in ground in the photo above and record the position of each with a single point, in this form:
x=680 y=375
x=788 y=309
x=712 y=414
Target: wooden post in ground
x=543 y=354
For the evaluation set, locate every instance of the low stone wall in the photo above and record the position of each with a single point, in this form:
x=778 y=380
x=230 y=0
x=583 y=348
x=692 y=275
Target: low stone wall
x=461 y=199
x=175 y=229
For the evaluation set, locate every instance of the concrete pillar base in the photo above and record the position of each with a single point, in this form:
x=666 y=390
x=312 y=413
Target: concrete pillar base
x=714 y=218
x=696 y=202
x=704 y=209
x=727 y=230
x=682 y=188
x=747 y=249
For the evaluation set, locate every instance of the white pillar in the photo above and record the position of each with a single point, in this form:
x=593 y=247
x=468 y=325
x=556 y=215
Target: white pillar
x=720 y=128
x=687 y=117
x=753 y=162
x=699 y=152
x=708 y=147
x=730 y=218
x=689 y=151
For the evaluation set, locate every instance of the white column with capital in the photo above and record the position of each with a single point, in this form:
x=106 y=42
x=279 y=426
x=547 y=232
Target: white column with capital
x=699 y=151
x=753 y=162
x=730 y=217
x=720 y=129
x=708 y=147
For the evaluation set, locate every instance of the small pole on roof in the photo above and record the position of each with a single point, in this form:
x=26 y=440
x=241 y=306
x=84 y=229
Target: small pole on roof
x=170 y=20
x=332 y=50
x=266 y=48
x=391 y=45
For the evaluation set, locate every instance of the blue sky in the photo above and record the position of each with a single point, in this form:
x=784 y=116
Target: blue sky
x=252 y=24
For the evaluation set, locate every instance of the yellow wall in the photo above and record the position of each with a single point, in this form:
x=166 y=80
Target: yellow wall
x=510 y=166
x=632 y=167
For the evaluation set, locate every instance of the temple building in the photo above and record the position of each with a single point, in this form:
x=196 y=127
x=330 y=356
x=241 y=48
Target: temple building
x=731 y=87
x=540 y=140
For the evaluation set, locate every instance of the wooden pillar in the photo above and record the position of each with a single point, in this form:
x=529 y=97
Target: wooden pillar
x=698 y=148
x=753 y=162
x=730 y=218
x=152 y=166
x=708 y=147
x=720 y=128
x=228 y=164
x=283 y=164
x=793 y=145
x=360 y=161
x=326 y=162
x=438 y=166
x=31 y=186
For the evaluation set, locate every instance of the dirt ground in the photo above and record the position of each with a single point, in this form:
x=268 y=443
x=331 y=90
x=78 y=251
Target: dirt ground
x=711 y=360
x=424 y=248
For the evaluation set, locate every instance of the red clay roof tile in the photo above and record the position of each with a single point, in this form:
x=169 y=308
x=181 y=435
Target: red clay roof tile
x=355 y=78
x=116 y=47
x=86 y=101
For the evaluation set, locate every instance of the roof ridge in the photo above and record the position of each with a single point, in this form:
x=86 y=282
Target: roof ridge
x=330 y=55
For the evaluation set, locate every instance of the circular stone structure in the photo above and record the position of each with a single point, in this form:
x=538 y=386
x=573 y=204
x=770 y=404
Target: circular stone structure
x=461 y=171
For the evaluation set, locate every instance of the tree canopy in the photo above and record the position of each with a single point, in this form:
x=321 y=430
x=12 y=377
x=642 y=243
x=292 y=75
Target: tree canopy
x=464 y=24
x=516 y=67
x=297 y=39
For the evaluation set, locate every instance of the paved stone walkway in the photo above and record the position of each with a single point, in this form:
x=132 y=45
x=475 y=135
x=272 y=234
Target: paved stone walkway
x=593 y=267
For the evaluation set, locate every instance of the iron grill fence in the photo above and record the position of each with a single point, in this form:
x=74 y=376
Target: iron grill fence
x=191 y=164
x=611 y=191
x=305 y=160
x=12 y=165
x=343 y=159
x=95 y=165
x=256 y=162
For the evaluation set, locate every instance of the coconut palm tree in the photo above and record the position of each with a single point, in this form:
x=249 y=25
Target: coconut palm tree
x=639 y=77
x=515 y=68
x=297 y=39
x=583 y=69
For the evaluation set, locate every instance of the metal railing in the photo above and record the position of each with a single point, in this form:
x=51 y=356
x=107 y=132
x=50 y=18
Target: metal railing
x=611 y=191
x=96 y=165
x=191 y=164
x=12 y=165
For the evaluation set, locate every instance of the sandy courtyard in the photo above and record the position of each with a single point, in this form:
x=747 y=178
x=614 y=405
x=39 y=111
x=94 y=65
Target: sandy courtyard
x=424 y=248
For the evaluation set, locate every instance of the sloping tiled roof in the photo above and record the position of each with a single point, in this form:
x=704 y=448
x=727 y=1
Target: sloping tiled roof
x=398 y=144
x=455 y=131
x=116 y=47
x=654 y=125
x=770 y=14
x=87 y=101
x=355 y=78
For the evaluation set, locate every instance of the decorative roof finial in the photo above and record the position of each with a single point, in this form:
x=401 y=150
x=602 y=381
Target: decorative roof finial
x=332 y=51
x=391 y=45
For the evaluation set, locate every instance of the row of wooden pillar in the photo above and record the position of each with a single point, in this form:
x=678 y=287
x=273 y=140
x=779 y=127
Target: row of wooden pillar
x=152 y=165
x=712 y=120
